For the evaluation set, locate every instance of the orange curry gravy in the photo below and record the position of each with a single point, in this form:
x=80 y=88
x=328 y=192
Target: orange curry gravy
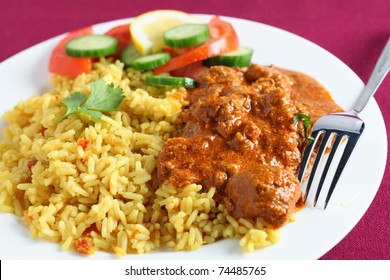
x=239 y=137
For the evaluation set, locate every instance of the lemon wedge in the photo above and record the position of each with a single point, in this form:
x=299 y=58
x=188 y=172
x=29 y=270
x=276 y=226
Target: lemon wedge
x=147 y=29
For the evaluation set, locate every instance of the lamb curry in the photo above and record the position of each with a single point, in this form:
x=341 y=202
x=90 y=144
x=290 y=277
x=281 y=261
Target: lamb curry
x=239 y=137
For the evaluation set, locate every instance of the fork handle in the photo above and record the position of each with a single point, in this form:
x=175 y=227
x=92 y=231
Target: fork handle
x=380 y=71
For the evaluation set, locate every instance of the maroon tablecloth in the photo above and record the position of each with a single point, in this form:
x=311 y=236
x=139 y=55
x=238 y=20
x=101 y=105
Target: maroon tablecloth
x=354 y=31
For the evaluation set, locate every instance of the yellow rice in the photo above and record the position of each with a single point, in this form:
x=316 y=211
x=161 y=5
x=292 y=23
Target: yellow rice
x=111 y=185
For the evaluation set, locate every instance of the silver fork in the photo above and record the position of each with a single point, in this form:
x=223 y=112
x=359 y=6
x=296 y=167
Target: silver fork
x=333 y=129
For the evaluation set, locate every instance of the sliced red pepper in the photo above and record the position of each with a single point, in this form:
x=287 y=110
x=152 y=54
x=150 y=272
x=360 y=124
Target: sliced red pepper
x=31 y=163
x=27 y=216
x=84 y=143
x=84 y=246
x=223 y=39
x=90 y=229
x=122 y=34
x=65 y=65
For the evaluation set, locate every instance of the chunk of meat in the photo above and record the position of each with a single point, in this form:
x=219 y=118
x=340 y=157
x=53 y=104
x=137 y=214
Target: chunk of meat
x=221 y=75
x=269 y=192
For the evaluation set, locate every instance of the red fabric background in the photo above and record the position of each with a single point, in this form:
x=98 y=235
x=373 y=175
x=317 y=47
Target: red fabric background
x=354 y=31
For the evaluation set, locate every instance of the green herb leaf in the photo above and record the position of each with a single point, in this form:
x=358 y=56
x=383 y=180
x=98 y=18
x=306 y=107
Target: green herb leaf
x=72 y=102
x=181 y=128
x=310 y=139
x=103 y=97
x=93 y=113
x=306 y=122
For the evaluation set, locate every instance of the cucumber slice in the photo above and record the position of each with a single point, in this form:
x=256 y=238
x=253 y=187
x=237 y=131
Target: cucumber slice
x=92 y=45
x=170 y=81
x=241 y=58
x=149 y=62
x=129 y=54
x=186 y=35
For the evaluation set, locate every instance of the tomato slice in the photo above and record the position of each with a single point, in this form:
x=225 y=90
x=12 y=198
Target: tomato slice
x=122 y=34
x=65 y=65
x=192 y=70
x=223 y=39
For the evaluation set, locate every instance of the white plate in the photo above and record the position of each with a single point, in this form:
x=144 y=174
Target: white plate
x=314 y=232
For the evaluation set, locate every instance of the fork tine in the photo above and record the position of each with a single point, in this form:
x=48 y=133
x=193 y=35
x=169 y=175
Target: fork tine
x=327 y=165
x=343 y=161
x=307 y=155
x=321 y=150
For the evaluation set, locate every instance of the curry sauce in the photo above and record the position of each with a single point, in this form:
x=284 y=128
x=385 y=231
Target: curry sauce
x=239 y=137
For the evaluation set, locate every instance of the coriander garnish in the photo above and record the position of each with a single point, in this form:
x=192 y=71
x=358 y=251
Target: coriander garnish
x=306 y=123
x=103 y=98
x=181 y=127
